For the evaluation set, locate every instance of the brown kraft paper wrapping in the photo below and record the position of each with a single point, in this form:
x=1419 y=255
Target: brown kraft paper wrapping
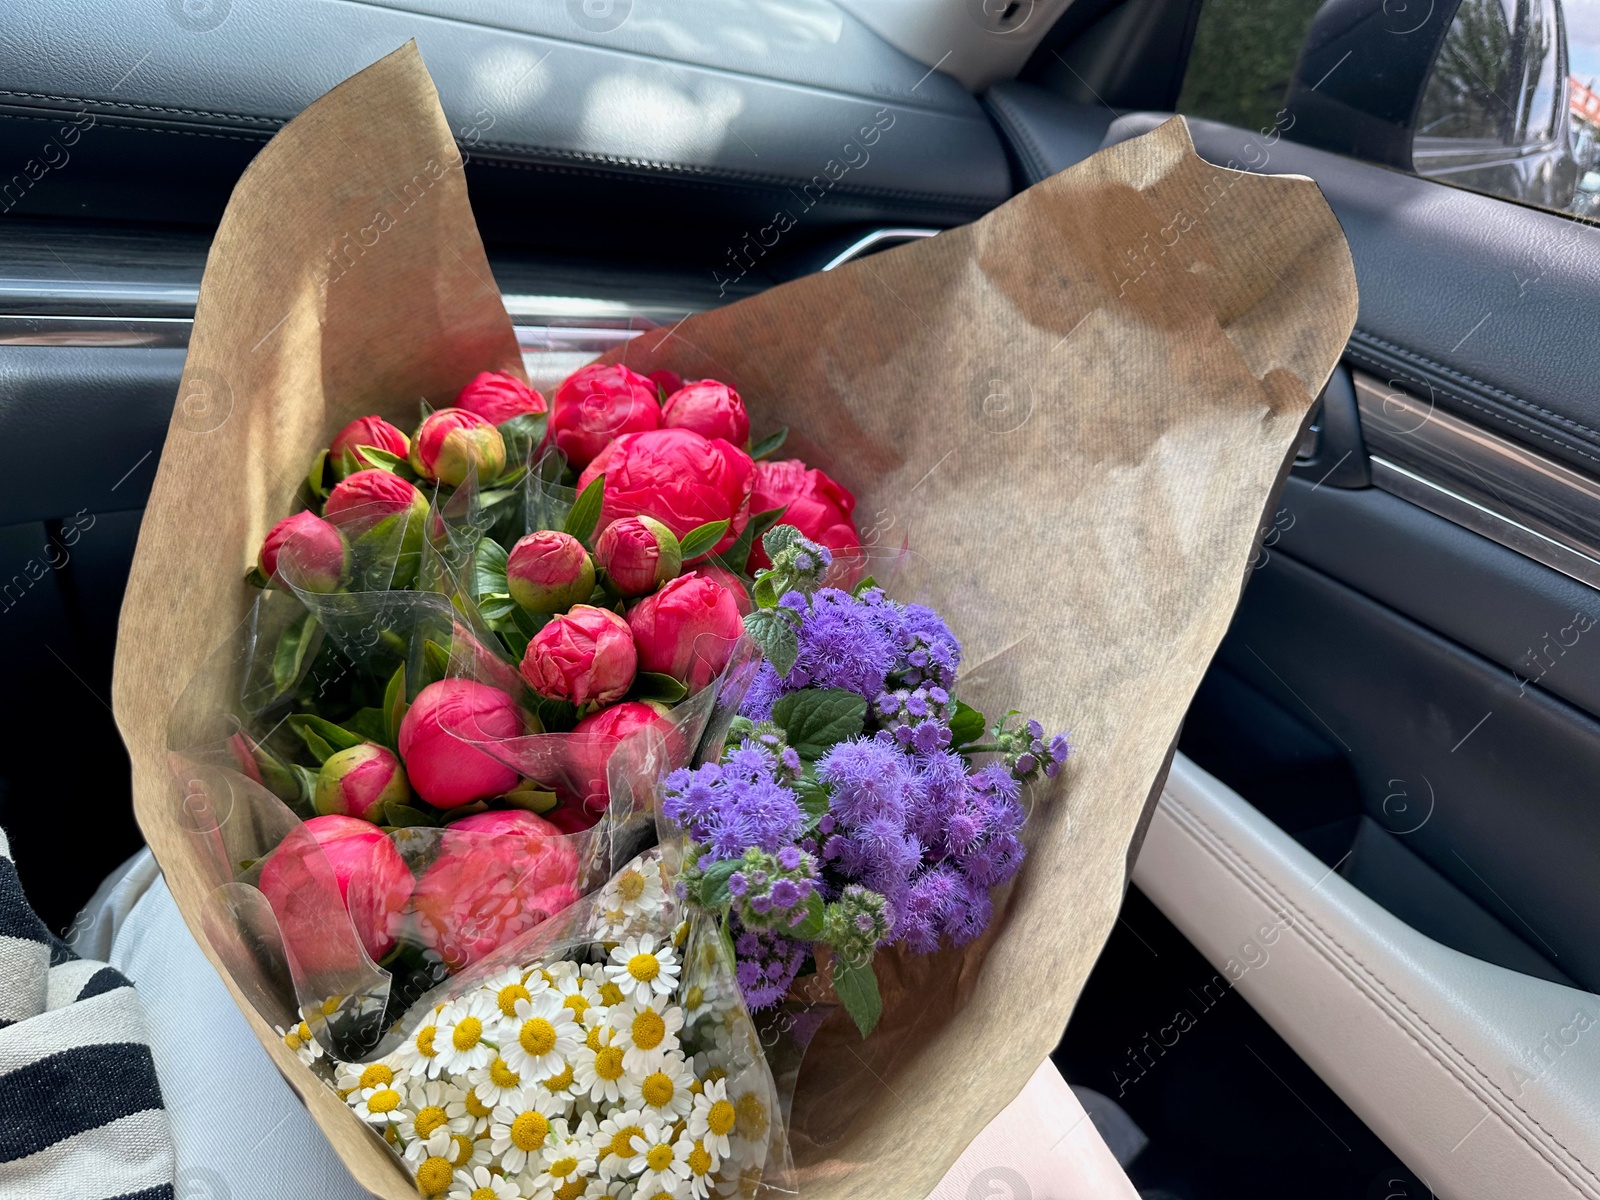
x=1073 y=412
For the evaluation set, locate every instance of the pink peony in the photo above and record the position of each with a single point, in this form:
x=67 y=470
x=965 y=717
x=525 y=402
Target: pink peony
x=736 y=586
x=813 y=503
x=359 y=781
x=452 y=442
x=711 y=409
x=310 y=551
x=497 y=875
x=360 y=502
x=667 y=381
x=497 y=397
x=596 y=404
x=436 y=738
x=549 y=572
x=373 y=881
x=588 y=749
x=585 y=656
x=687 y=630
x=638 y=555
x=364 y=431
x=676 y=476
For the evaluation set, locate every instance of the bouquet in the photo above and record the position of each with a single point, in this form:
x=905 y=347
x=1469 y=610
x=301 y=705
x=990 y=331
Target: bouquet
x=523 y=711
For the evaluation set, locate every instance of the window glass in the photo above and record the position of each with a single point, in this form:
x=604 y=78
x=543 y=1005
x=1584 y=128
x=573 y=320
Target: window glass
x=1243 y=57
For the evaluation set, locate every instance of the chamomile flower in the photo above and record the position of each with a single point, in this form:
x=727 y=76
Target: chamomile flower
x=634 y=894
x=642 y=970
x=615 y=1138
x=382 y=1104
x=664 y=1092
x=419 y=1054
x=522 y=1124
x=457 y=1149
x=701 y=1163
x=559 y=1085
x=713 y=1118
x=507 y=987
x=744 y=1183
x=352 y=1077
x=568 y=1155
x=657 y=1162
x=540 y=1037
x=462 y=1044
x=483 y=1184
x=582 y=996
x=298 y=1038
x=425 y=1110
x=598 y=1070
x=469 y=1113
x=608 y=1189
x=702 y=998
x=649 y=1031
x=495 y=1081
x=433 y=1173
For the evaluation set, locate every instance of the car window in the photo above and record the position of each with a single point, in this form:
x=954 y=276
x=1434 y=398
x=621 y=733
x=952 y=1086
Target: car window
x=1510 y=108
x=1243 y=57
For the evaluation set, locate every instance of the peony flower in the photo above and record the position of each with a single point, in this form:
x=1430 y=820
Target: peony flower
x=814 y=504
x=638 y=555
x=585 y=656
x=437 y=736
x=452 y=442
x=711 y=409
x=359 y=781
x=676 y=476
x=361 y=502
x=373 y=881
x=588 y=749
x=497 y=874
x=311 y=552
x=549 y=572
x=596 y=404
x=364 y=431
x=687 y=630
x=497 y=397
x=667 y=381
x=707 y=569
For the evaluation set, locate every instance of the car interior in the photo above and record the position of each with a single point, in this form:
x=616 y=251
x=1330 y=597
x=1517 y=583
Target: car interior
x=1360 y=946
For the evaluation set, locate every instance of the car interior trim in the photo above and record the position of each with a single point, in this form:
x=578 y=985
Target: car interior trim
x=878 y=239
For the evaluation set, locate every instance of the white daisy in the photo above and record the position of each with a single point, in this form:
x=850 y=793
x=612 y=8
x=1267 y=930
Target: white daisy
x=702 y=998
x=701 y=1162
x=632 y=897
x=380 y=1105
x=608 y=1189
x=483 y=1184
x=657 y=1161
x=598 y=1070
x=352 y=1077
x=432 y=1173
x=298 y=1038
x=494 y=1082
x=457 y=1149
x=418 y=1055
x=424 y=1111
x=540 y=1037
x=469 y=1113
x=568 y=1155
x=713 y=1118
x=465 y=1039
x=559 y=1086
x=664 y=1092
x=614 y=1140
x=649 y=1031
x=582 y=995
x=520 y=1126
x=642 y=970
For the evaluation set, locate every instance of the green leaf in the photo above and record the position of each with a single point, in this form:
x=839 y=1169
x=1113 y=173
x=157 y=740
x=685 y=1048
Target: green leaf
x=765 y=593
x=370 y=725
x=769 y=444
x=714 y=891
x=701 y=538
x=810 y=927
x=317 y=476
x=324 y=738
x=865 y=585
x=528 y=795
x=585 y=512
x=661 y=395
x=778 y=539
x=772 y=632
x=394 y=705
x=966 y=725
x=813 y=796
x=382 y=459
x=815 y=719
x=857 y=985
x=736 y=556
x=435 y=660
x=651 y=685
x=403 y=816
x=521 y=434
x=290 y=654
x=489 y=569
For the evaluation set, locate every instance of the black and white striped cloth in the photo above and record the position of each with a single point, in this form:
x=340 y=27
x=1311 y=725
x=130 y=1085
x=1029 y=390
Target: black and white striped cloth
x=80 y=1109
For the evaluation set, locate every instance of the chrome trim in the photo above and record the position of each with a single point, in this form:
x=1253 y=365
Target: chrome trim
x=874 y=241
x=1510 y=494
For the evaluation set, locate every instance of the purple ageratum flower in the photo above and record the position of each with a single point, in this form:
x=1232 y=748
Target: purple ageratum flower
x=937 y=792
x=933 y=654
x=768 y=963
x=789 y=858
x=920 y=915
x=993 y=862
x=868 y=778
x=764 y=690
x=840 y=644
x=969 y=914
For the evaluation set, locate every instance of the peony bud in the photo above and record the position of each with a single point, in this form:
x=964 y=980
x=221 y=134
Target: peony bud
x=667 y=381
x=638 y=555
x=373 y=880
x=497 y=875
x=585 y=656
x=711 y=409
x=549 y=572
x=436 y=742
x=364 y=431
x=310 y=551
x=813 y=503
x=687 y=630
x=676 y=476
x=359 y=781
x=597 y=404
x=497 y=397
x=451 y=442
x=383 y=516
x=588 y=748
x=736 y=586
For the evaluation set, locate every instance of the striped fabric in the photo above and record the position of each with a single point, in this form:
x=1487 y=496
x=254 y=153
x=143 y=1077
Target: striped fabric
x=80 y=1110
